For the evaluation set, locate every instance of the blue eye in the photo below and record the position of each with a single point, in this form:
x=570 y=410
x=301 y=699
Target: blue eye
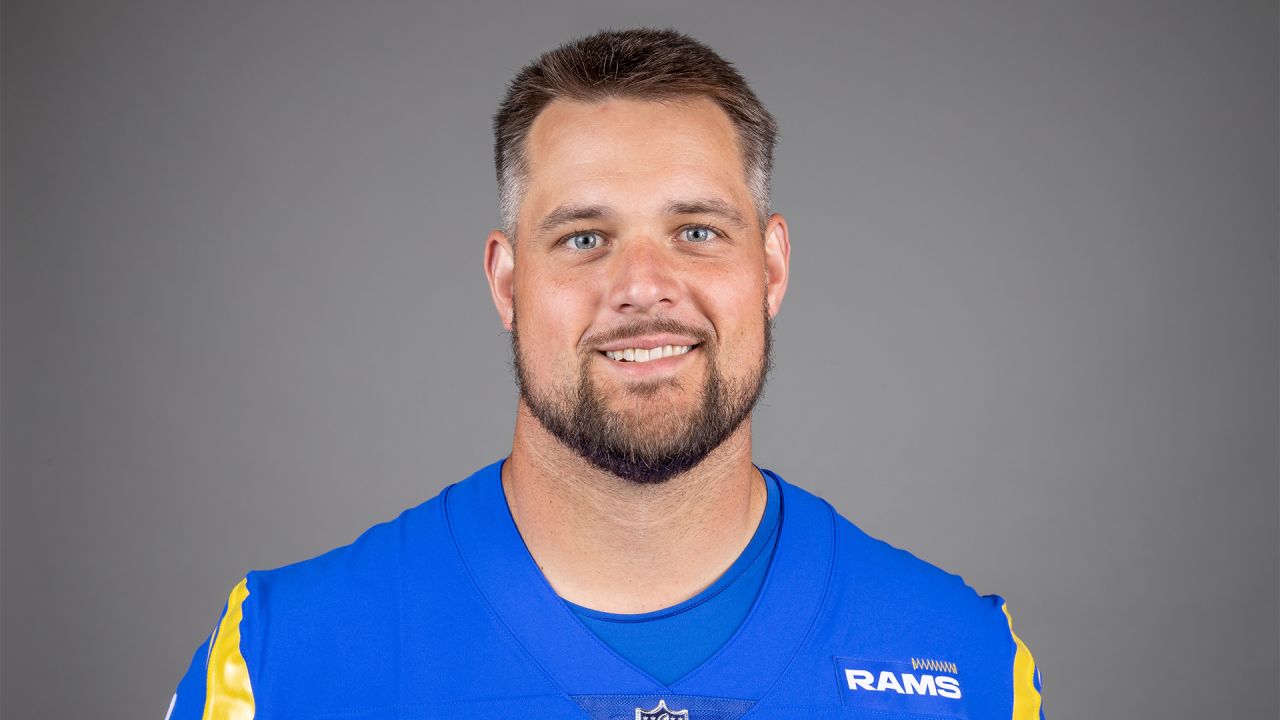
x=584 y=240
x=698 y=234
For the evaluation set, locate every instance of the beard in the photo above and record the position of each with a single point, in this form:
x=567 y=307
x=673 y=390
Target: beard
x=638 y=449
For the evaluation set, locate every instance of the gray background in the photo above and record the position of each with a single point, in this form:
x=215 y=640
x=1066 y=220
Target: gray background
x=1031 y=333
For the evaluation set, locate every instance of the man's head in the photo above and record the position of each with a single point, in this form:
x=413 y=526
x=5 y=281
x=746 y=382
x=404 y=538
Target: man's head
x=634 y=168
x=642 y=64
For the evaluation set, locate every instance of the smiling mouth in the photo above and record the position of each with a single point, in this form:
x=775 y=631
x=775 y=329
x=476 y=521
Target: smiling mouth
x=643 y=355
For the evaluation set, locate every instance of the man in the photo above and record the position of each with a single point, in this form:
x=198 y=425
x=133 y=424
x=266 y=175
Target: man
x=627 y=559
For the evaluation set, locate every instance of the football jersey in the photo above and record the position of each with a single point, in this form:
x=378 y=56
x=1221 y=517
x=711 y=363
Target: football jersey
x=442 y=612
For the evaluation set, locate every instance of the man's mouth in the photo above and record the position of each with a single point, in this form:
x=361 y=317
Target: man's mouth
x=642 y=355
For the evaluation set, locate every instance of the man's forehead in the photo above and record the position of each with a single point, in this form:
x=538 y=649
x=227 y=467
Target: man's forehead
x=566 y=123
x=687 y=146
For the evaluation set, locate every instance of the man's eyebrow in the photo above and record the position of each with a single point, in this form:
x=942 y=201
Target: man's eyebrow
x=707 y=206
x=572 y=213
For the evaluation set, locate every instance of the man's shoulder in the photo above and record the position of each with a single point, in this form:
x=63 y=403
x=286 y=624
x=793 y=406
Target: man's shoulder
x=330 y=631
x=371 y=572
x=351 y=598
x=885 y=580
x=887 y=611
x=372 y=562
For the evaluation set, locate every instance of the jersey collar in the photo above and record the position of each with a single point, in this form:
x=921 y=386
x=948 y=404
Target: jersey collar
x=579 y=663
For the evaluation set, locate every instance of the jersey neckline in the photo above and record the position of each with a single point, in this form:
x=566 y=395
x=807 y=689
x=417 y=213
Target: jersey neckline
x=761 y=540
x=578 y=662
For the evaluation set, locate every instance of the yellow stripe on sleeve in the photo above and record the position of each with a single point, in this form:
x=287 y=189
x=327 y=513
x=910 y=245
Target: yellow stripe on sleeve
x=228 y=695
x=1026 y=698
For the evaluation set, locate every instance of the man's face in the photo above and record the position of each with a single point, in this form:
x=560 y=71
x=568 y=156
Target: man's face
x=637 y=235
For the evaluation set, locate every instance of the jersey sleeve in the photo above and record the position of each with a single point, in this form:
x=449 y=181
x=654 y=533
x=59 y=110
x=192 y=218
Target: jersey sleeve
x=217 y=683
x=1027 y=700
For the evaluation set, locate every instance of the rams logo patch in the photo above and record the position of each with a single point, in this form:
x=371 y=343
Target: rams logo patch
x=928 y=686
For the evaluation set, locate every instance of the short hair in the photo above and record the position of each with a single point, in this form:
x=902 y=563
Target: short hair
x=639 y=63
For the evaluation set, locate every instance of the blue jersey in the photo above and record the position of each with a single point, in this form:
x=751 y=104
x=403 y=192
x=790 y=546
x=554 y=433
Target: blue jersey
x=442 y=612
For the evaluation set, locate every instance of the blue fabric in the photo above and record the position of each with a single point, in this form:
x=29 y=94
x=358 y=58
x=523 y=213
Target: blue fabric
x=442 y=612
x=670 y=642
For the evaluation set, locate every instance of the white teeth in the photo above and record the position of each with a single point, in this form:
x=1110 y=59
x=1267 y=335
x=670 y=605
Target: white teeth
x=645 y=355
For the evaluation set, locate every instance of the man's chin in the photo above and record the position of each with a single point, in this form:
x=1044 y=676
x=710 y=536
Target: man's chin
x=659 y=437
x=620 y=390
x=660 y=409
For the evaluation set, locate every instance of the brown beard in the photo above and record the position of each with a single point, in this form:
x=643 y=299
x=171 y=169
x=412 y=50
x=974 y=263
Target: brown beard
x=579 y=418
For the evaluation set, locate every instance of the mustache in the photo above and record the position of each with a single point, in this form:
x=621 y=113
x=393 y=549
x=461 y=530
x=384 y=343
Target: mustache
x=648 y=326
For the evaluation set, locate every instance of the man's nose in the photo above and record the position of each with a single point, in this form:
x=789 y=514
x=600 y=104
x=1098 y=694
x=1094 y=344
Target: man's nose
x=644 y=277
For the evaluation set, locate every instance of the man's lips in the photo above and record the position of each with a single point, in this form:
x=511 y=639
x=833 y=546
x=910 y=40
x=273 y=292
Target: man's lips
x=659 y=357
x=648 y=342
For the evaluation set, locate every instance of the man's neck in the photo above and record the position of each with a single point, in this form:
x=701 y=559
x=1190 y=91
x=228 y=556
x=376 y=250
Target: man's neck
x=617 y=546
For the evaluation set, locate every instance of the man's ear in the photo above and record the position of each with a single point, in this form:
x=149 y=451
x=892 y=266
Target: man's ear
x=500 y=269
x=777 y=261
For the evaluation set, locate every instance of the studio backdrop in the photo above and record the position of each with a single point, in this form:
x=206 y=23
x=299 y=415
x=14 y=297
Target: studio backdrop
x=1030 y=335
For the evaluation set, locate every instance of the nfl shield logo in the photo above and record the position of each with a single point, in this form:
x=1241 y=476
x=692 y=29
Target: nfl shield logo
x=662 y=712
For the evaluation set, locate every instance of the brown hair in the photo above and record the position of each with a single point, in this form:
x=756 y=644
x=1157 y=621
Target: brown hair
x=643 y=63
